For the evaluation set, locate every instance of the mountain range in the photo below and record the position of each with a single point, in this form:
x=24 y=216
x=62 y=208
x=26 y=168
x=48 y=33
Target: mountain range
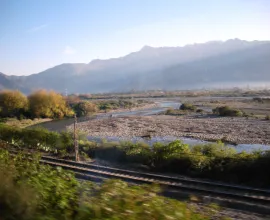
x=213 y=64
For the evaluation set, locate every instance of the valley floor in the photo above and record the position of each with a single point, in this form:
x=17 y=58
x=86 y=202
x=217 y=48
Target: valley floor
x=233 y=130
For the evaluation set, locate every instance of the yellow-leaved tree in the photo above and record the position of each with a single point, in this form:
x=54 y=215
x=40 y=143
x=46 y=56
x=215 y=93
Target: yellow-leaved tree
x=12 y=103
x=48 y=104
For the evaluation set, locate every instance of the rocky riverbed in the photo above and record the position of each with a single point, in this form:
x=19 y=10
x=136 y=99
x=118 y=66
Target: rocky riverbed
x=141 y=107
x=233 y=130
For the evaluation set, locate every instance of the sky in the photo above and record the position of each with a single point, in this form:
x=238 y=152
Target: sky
x=36 y=35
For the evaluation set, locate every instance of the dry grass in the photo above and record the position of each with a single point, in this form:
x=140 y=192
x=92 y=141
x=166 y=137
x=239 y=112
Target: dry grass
x=26 y=122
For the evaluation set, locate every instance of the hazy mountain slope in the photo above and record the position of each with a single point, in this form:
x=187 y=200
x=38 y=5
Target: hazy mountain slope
x=6 y=82
x=56 y=78
x=151 y=68
x=149 y=58
x=246 y=66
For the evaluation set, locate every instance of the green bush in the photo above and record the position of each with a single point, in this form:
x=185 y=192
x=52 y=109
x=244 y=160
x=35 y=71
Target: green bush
x=188 y=107
x=36 y=138
x=227 y=111
x=267 y=117
x=84 y=108
x=213 y=160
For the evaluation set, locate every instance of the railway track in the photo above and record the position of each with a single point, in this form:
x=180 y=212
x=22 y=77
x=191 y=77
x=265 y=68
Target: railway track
x=233 y=193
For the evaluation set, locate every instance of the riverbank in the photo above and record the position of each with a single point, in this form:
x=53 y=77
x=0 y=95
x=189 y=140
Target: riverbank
x=25 y=122
x=63 y=124
x=232 y=130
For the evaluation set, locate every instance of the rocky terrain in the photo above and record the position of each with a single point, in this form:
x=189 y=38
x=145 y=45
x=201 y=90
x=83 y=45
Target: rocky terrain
x=141 y=107
x=232 y=130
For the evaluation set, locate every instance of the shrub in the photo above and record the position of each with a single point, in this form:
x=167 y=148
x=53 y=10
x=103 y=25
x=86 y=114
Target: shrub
x=199 y=111
x=39 y=138
x=258 y=99
x=227 y=111
x=218 y=149
x=267 y=117
x=212 y=160
x=188 y=107
x=169 y=111
x=36 y=138
x=175 y=112
x=10 y=134
x=105 y=106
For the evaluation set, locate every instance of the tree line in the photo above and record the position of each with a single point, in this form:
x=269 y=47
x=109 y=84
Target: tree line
x=41 y=104
x=49 y=104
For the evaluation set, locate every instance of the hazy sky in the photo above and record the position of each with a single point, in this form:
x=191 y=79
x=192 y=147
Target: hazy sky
x=37 y=34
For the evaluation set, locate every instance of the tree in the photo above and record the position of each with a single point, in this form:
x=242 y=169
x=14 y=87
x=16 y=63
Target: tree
x=85 y=108
x=48 y=105
x=12 y=103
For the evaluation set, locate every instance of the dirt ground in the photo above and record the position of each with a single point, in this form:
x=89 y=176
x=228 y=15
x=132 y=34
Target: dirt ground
x=234 y=130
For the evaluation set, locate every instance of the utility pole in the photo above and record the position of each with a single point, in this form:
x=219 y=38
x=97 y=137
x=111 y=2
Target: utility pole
x=130 y=108
x=76 y=148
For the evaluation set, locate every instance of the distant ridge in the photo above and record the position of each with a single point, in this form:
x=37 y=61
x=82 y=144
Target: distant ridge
x=209 y=64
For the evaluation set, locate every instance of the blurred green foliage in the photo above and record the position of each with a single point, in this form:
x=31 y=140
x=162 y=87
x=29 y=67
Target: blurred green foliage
x=41 y=139
x=30 y=191
x=212 y=160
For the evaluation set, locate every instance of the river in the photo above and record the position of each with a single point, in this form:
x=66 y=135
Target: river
x=61 y=125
